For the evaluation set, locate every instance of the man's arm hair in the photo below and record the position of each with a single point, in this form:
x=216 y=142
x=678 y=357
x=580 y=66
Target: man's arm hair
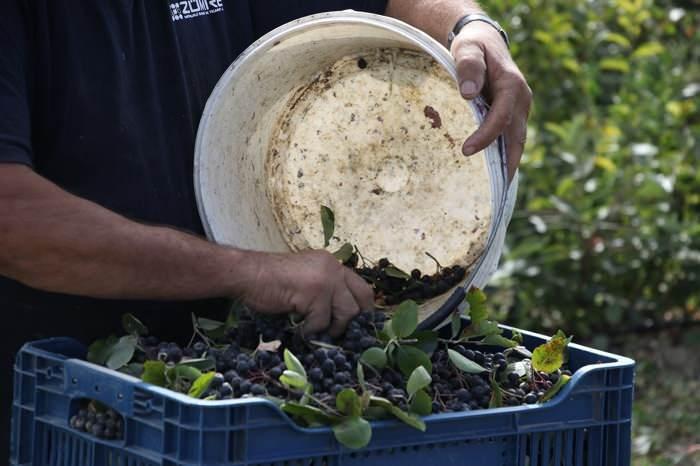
x=55 y=241
x=435 y=17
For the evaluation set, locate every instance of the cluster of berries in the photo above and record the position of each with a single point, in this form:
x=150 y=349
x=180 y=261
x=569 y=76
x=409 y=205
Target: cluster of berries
x=106 y=424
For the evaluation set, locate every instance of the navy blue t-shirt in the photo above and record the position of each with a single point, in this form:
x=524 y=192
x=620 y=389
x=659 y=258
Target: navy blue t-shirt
x=103 y=98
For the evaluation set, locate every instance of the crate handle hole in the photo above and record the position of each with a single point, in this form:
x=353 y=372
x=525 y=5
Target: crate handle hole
x=74 y=380
x=97 y=388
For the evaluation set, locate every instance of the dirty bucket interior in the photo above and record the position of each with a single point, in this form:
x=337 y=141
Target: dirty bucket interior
x=359 y=113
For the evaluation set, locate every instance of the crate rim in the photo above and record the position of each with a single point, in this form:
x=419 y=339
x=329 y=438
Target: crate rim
x=617 y=362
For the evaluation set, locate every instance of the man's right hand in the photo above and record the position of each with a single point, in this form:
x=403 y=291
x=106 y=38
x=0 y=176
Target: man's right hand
x=311 y=283
x=55 y=241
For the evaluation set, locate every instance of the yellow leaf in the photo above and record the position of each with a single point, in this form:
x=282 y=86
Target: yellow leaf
x=611 y=131
x=543 y=37
x=604 y=163
x=571 y=65
x=618 y=39
x=614 y=64
x=649 y=49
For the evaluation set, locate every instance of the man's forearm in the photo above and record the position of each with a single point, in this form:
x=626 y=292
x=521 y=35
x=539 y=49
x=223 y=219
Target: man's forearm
x=436 y=17
x=58 y=242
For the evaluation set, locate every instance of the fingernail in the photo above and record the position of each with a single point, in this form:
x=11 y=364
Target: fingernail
x=468 y=150
x=468 y=88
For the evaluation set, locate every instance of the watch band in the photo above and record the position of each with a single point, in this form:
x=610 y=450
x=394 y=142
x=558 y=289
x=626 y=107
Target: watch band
x=476 y=17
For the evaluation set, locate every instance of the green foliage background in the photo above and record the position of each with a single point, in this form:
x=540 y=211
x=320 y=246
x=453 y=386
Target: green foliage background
x=606 y=234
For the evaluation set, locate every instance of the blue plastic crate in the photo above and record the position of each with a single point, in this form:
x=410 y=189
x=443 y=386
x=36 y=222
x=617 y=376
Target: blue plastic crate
x=586 y=424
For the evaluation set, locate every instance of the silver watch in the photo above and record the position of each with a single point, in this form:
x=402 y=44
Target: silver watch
x=476 y=17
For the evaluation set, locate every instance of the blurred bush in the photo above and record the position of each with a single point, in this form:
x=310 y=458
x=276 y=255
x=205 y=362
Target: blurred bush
x=606 y=235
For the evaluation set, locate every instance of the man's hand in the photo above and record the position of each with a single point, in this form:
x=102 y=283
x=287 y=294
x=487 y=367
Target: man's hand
x=311 y=283
x=485 y=66
x=54 y=241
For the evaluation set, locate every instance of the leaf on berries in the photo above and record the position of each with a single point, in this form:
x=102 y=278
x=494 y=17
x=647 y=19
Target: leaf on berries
x=375 y=357
x=344 y=253
x=201 y=385
x=496 y=395
x=353 y=432
x=293 y=363
x=405 y=319
x=522 y=368
x=519 y=351
x=99 y=350
x=517 y=337
x=464 y=364
x=408 y=418
x=361 y=377
x=455 y=324
x=426 y=340
x=272 y=346
x=293 y=379
x=184 y=373
x=498 y=340
x=375 y=413
x=478 y=311
x=201 y=364
x=328 y=223
x=549 y=357
x=395 y=272
x=208 y=324
x=554 y=389
x=121 y=352
x=421 y=404
x=348 y=402
x=154 y=373
x=409 y=358
x=134 y=369
x=418 y=380
x=310 y=415
x=133 y=326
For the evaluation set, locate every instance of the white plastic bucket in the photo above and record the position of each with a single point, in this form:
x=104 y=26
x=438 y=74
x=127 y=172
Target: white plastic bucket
x=244 y=107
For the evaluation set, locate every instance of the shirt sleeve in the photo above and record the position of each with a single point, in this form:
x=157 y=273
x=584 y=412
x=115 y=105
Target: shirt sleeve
x=15 y=121
x=269 y=14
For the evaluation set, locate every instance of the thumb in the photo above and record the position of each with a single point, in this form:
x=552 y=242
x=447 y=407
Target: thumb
x=471 y=67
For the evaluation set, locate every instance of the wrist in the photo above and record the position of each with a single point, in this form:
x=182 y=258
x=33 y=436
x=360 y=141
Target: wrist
x=239 y=271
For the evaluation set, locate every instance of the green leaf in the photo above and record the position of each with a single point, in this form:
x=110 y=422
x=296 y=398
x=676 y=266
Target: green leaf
x=409 y=358
x=455 y=324
x=549 y=357
x=121 y=352
x=554 y=389
x=498 y=340
x=201 y=385
x=395 y=272
x=408 y=418
x=133 y=326
x=353 y=432
x=202 y=364
x=293 y=363
x=344 y=253
x=375 y=357
x=649 y=49
x=496 y=395
x=405 y=319
x=293 y=379
x=427 y=340
x=309 y=414
x=154 y=373
x=348 y=402
x=134 y=369
x=477 y=306
x=517 y=337
x=99 y=350
x=328 y=222
x=208 y=325
x=464 y=364
x=418 y=380
x=361 y=377
x=421 y=404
